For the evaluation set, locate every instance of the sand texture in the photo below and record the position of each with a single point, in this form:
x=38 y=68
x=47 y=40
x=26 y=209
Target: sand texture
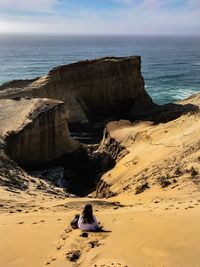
x=150 y=231
x=152 y=225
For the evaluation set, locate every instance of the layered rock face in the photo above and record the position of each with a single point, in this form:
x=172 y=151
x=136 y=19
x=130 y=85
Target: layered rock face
x=91 y=90
x=34 y=120
x=35 y=130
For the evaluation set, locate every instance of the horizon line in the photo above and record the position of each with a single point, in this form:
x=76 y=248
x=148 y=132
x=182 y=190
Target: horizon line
x=101 y=34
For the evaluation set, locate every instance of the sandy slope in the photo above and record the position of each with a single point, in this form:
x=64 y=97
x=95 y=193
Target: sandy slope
x=157 y=152
x=155 y=229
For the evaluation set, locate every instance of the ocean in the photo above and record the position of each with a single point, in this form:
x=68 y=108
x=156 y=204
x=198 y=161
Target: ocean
x=170 y=65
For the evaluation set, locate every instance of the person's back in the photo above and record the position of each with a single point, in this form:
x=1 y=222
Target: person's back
x=87 y=221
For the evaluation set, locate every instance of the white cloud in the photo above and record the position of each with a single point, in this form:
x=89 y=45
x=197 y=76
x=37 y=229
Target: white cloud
x=125 y=2
x=149 y=17
x=28 y=5
x=159 y=4
x=194 y=4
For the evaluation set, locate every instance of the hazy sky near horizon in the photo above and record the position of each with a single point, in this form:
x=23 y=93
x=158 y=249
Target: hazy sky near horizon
x=100 y=16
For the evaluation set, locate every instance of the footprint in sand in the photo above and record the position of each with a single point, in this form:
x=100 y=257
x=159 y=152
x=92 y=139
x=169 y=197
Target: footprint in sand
x=64 y=236
x=60 y=245
x=84 y=245
x=51 y=259
x=68 y=230
x=109 y=263
x=19 y=210
x=189 y=207
x=79 y=247
x=94 y=243
x=73 y=255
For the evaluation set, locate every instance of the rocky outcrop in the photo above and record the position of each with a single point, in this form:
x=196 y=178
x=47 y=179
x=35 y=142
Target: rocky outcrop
x=111 y=146
x=110 y=150
x=91 y=90
x=35 y=130
x=132 y=157
x=34 y=120
x=103 y=190
x=160 y=155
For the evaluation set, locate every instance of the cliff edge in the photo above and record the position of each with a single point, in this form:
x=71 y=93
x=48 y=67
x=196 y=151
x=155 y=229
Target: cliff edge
x=92 y=90
x=35 y=130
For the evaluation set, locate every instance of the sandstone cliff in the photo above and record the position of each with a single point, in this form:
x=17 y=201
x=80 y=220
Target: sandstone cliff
x=102 y=88
x=35 y=130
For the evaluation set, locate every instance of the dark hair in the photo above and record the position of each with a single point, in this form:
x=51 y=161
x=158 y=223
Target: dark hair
x=88 y=214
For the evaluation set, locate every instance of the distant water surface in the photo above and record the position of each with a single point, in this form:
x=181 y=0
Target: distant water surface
x=171 y=65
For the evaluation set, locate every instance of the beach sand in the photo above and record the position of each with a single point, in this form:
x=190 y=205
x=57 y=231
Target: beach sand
x=152 y=229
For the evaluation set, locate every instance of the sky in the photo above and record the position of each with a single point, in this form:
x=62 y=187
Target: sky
x=140 y=17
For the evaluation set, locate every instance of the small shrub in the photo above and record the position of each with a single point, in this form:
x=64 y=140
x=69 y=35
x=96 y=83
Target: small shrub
x=164 y=182
x=141 y=188
x=178 y=171
x=193 y=172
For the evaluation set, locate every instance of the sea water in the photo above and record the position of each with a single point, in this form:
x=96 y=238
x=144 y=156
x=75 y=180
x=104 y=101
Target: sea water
x=170 y=64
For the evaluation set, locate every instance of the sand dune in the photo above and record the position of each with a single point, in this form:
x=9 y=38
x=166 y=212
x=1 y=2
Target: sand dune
x=155 y=229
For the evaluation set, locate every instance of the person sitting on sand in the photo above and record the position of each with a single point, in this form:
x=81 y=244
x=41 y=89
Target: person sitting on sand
x=87 y=221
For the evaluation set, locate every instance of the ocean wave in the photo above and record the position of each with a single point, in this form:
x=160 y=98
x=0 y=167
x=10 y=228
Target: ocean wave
x=167 y=76
x=183 y=93
x=177 y=75
x=197 y=64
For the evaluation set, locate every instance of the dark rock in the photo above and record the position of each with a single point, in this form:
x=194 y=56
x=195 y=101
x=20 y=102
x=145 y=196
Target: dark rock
x=84 y=234
x=73 y=255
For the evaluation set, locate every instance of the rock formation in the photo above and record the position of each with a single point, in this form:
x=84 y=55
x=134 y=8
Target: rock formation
x=92 y=90
x=162 y=155
x=35 y=130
